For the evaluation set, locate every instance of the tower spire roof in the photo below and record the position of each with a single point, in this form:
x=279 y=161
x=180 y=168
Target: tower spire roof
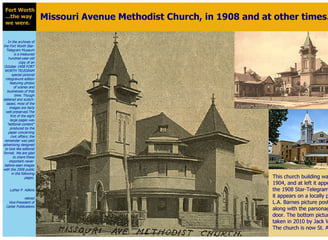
x=213 y=99
x=308 y=47
x=308 y=43
x=115 y=66
x=115 y=38
x=212 y=121
x=307 y=118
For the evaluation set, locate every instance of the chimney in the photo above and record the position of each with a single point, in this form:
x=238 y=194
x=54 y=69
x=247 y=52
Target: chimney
x=244 y=70
x=295 y=66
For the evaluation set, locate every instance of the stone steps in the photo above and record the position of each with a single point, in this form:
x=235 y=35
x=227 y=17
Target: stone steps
x=172 y=223
x=46 y=216
x=198 y=220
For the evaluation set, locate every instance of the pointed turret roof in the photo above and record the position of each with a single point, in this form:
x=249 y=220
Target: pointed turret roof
x=212 y=122
x=308 y=43
x=115 y=66
x=307 y=118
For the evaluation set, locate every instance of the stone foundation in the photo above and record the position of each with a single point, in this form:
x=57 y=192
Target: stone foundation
x=198 y=219
x=225 y=221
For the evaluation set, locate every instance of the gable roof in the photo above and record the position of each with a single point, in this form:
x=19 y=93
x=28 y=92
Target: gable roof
x=245 y=77
x=149 y=127
x=212 y=122
x=321 y=66
x=267 y=79
x=316 y=135
x=251 y=77
x=115 y=66
x=82 y=149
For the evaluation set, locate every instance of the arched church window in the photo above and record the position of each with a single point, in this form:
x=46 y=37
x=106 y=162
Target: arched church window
x=247 y=207
x=100 y=194
x=101 y=127
x=119 y=130
x=226 y=199
x=313 y=63
x=123 y=121
x=124 y=131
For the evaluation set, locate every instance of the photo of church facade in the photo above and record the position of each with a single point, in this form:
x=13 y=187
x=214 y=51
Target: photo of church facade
x=192 y=179
x=312 y=148
x=309 y=77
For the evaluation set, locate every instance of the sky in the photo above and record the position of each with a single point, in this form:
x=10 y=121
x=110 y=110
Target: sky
x=268 y=53
x=177 y=73
x=291 y=129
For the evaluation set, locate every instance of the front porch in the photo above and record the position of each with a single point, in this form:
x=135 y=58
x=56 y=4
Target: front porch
x=320 y=90
x=317 y=158
x=190 y=209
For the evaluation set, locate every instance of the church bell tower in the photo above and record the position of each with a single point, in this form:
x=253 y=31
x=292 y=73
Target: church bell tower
x=308 y=62
x=307 y=129
x=114 y=101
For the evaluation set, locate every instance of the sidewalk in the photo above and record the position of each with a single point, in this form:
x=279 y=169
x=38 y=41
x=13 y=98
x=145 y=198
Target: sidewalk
x=281 y=102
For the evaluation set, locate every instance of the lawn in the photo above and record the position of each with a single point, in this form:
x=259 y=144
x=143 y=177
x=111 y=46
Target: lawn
x=288 y=166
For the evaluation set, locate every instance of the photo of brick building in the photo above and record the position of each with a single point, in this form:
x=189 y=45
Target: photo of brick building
x=311 y=148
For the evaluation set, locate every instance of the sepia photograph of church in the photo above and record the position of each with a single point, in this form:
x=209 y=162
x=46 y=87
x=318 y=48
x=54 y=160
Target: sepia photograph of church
x=142 y=125
x=284 y=70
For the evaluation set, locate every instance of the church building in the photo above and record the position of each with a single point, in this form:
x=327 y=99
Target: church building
x=311 y=148
x=308 y=77
x=173 y=174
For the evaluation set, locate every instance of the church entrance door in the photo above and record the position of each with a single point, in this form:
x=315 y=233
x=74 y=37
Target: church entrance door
x=162 y=207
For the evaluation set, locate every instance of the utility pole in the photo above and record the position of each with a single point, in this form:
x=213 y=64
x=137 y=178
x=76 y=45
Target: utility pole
x=128 y=198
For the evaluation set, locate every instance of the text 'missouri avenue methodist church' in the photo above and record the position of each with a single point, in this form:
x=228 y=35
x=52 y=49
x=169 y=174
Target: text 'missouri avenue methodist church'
x=173 y=174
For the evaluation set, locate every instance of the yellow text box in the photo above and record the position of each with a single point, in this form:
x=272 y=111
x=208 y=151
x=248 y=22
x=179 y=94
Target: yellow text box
x=226 y=16
x=298 y=202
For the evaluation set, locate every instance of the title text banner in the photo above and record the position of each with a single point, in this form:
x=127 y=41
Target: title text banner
x=182 y=16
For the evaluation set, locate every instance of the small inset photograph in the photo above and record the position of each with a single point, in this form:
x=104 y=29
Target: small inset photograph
x=298 y=139
x=281 y=70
